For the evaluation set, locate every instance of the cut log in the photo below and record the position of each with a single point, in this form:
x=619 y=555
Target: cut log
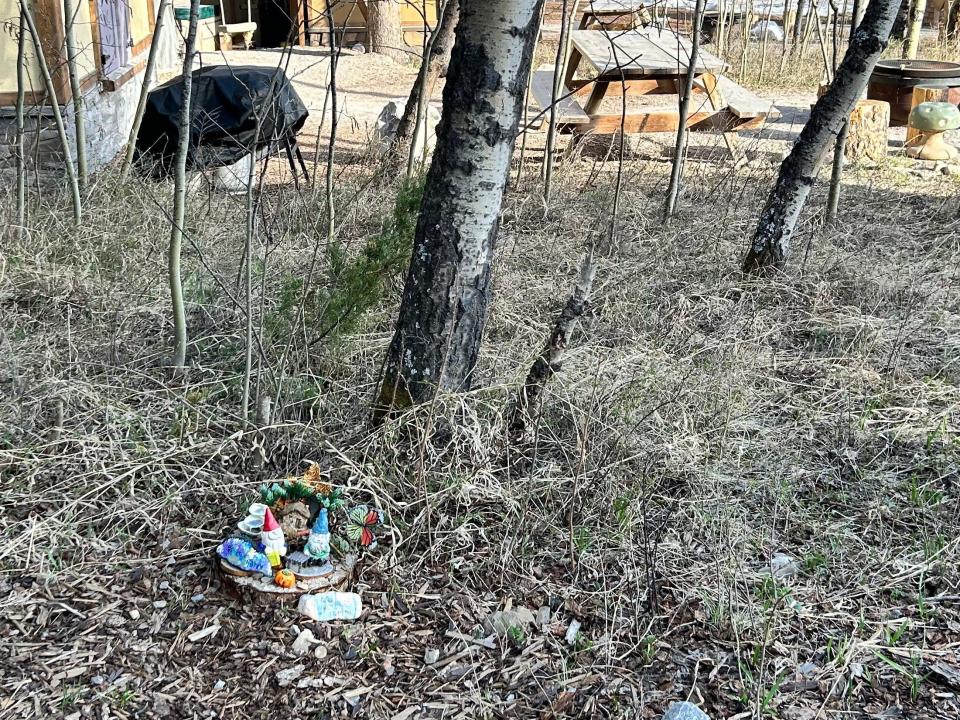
x=867 y=134
x=922 y=94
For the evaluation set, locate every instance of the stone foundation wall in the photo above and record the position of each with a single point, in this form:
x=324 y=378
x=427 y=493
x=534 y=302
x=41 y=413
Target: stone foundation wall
x=108 y=115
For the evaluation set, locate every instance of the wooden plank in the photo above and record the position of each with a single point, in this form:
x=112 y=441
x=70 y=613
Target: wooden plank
x=568 y=109
x=637 y=53
x=48 y=17
x=742 y=102
x=717 y=102
x=647 y=120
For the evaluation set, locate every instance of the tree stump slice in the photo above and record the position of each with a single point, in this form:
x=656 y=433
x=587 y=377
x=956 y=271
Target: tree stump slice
x=867 y=135
x=259 y=590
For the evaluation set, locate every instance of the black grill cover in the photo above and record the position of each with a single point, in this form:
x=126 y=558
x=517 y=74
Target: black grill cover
x=225 y=103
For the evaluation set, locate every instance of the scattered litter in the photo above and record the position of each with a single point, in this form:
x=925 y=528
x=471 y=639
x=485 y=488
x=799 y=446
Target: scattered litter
x=783 y=566
x=301 y=646
x=219 y=685
x=201 y=634
x=134 y=614
x=323 y=607
x=572 y=632
x=543 y=616
x=320 y=652
x=288 y=676
x=502 y=621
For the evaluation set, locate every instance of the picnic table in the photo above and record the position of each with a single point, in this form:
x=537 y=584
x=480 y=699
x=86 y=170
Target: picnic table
x=614 y=14
x=648 y=61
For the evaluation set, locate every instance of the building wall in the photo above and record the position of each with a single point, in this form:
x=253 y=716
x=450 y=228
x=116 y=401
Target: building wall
x=10 y=13
x=142 y=17
x=108 y=115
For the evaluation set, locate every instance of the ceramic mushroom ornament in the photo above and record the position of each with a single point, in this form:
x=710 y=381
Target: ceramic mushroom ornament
x=932 y=119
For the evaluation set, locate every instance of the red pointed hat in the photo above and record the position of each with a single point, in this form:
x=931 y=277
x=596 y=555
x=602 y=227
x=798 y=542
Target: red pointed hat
x=268 y=521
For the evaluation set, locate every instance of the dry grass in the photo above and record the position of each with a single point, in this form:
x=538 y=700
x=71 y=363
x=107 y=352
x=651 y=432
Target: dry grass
x=703 y=423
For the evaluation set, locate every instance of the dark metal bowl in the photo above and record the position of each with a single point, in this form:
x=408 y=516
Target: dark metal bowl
x=921 y=69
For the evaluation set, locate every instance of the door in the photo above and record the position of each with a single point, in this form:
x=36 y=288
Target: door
x=114 y=22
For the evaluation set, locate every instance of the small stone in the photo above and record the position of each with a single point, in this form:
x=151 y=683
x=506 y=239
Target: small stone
x=294 y=630
x=134 y=614
x=164 y=585
x=685 y=711
x=351 y=653
x=430 y=656
x=501 y=621
x=287 y=677
x=301 y=646
x=543 y=616
x=783 y=566
x=159 y=604
x=320 y=652
x=573 y=631
x=97 y=680
x=219 y=685
x=198 y=598
x=808 y=668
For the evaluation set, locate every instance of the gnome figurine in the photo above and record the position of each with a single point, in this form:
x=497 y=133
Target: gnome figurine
x=318 y=544
x=272 y=538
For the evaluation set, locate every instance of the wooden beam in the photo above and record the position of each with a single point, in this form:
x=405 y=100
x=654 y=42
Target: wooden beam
x=48 y=17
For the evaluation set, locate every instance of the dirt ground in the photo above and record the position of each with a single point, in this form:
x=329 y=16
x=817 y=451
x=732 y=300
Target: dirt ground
x=743 y=491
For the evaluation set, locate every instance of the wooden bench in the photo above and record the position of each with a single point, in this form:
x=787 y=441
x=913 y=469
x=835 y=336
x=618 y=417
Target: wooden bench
x=569 y=111
x=741 y=102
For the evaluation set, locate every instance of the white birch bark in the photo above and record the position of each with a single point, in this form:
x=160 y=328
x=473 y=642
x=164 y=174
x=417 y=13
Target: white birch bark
x=447 y=291
x=180 y=195
x=70 y=39
x=771 y=241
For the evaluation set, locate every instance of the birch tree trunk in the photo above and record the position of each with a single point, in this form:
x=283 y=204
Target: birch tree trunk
x=914 y=25
x=447 y=291
x=771 y=241
x=180 y=194
x=70 y=40
x=21 y=160
x=384 y=31
x=51 y=91
x=432 y=67
x=144 y=90
x=680 y=147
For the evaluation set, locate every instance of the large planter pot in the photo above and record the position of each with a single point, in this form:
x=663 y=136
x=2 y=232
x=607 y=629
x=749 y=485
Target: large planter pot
x=894 y=80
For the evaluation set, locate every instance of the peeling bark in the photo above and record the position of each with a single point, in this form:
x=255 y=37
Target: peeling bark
x=447 y=291
x=771 y=242
x=549 y=361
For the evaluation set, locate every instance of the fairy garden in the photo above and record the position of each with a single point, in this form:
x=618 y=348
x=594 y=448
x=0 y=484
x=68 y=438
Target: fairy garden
x=299 y=537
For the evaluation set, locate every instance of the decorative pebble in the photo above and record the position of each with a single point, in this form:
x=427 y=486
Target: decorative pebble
x=685 y=711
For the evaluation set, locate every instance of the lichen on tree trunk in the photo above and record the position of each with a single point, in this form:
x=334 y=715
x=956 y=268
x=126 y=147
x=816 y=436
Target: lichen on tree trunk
x=447 y=292
x=771 y=241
